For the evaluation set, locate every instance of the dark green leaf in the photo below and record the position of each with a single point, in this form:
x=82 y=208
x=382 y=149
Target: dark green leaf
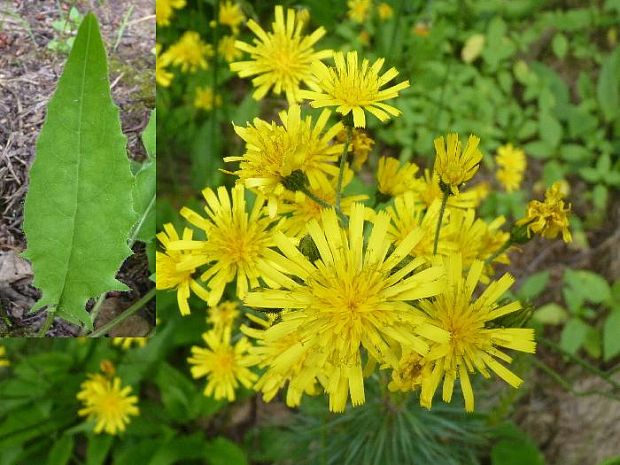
x=573 y=335
x=61 y=451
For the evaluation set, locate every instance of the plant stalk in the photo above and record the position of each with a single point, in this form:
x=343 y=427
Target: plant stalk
x=442 y=210
x=126 y=314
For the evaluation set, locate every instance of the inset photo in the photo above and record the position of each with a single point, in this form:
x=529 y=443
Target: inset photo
x=77 y=168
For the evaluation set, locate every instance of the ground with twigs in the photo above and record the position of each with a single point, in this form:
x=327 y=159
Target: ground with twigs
x=29 y=70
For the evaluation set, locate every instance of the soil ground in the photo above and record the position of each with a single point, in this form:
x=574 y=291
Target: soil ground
x=29 y=70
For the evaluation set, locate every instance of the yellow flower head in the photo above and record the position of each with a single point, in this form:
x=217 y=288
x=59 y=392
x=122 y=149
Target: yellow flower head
x=361 y=146
x=165 y=10
x=169 y=276
x=225 y=365
x=223 y=315
x=127 y=342
x=352 y=297
x=190 y=52
x=550 y=217
x=4 y=362
x=358 y=10
x=511 y=163
x=163 y=77
x=227 y=49
x=385 y=11
x=428 y=190
x=204 y=99
x=273 y=152
x=351 y=88
x=473 y=345
x=236 y=245
x=281 y=58
x=108 y=403
x=393 y=179
x=230 y=14
x=454 y=165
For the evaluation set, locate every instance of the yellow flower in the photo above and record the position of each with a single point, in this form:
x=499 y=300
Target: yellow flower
x=550 y=217
x=361 y=146
x=227 y=49
x=223 y=315
x=281 y=58
x=350 y=298
x=385 y=11
x=472 y=346
x=169 y=276
x=393 y=179
x=358 y=10
x=4 y=362
x=511 y=164
x=163 y=77
x=453 y=165
x=108 y=403
x=428 y=190
x=165 y=9
x=354 y=89
x=408 y=215
x=274 y=152
x=236 y=245
x=225 y=365
x=190 y=52
x=231 y=15
x=204 y=99
x=127 y=342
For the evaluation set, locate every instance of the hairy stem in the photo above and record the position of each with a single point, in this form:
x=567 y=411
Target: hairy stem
x=126 y=314
x=47 y=324
x=442 y=210
x=343 y=159
x=499 y=251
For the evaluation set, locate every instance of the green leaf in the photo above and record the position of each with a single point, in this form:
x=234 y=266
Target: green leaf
x=222 y=451
x=78 y=210
x=515 y=448
x=611 y=460
x=534 y=285
x=61 y=452
x=591 y=286
x=98 y=448
x=560 y=45
x=551 y=314
x=607 y=91
x=611 y=335
x=144 y=187
x=573 y=335
x=550 y=129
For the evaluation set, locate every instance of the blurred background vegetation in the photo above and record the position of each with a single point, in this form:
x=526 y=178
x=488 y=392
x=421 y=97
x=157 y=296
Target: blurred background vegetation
x=542 y=75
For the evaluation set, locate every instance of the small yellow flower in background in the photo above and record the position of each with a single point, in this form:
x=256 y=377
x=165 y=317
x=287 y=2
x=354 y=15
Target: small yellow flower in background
x=281 y=58
x=421 y=29
x=168 y=276
x=361 y=146
x=227 y=49
x=351 y=88
x=511 y=164
x=550 y=217
x=274 y=152
x=108 y=403
x=165 y=9
x=204 y=99
x=163 y=77
x=454 y=165
x=350 y=298
x=237 y=242
x=223 y=316
x=230 y=15
x=128 y=342
x=303 y=16
x=385 y=11
x=225 y=365
x=190 y=52
x=394 y=179
x=358 y=10
x=4 y=362
x=472 y=345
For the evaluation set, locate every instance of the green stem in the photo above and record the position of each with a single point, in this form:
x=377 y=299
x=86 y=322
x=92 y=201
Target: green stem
x=442 y=210
x=123 y=316
x=343 y=159
x=581 y=362
x=47 y=324
x=499 y=251
x=325 y=204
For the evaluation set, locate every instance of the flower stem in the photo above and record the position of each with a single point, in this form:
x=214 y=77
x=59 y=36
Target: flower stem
x=444 y=201
x=126 y=314
x=499 y=251
x=47 y=324
x=325 y=204
x=343 y=158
